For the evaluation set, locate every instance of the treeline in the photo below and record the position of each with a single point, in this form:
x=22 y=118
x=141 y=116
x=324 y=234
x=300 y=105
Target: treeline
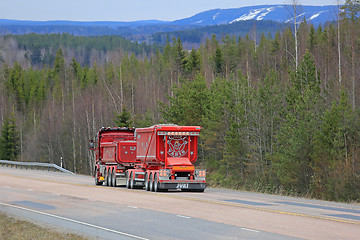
x=40 y=50
x=197 y=36
x=267 y=125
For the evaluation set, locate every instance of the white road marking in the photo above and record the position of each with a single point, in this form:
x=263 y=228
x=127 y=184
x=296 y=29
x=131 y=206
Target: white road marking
x=74 y=221
x=251 y=230
x=29 y=189
x=182 y=216
x=132 y=207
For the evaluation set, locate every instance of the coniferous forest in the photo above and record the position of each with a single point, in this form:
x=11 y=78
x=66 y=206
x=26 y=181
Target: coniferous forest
x=279 y=114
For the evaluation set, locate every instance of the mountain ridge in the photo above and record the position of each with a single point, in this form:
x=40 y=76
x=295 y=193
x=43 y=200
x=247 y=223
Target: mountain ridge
x=316 y=15
x=277 y=13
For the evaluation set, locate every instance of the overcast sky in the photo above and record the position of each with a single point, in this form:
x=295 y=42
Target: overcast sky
x=124 y=10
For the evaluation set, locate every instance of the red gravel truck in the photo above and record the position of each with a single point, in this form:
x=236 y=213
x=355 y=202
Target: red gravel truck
x=115 y=152
x=158 y=158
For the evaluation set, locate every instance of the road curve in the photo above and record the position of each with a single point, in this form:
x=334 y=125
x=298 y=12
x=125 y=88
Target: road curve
x=74 y=203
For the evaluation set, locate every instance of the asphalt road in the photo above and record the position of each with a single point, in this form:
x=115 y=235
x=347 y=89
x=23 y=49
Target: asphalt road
x=73 y=203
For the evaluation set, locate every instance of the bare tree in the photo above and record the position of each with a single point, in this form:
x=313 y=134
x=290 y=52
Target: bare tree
x=74 y=122
x=339 y=40
x=295 y=14
x=351 y=13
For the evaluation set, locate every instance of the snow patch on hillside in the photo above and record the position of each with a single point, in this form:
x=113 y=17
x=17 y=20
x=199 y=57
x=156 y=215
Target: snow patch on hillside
x=214 y=17
x=257 y=14
x=262 y=15
x=248 y=16
x=316 y=15
x=298 y=18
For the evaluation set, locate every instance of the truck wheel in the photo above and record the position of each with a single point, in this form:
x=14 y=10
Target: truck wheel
x=113 y=179
x=127 y=180
x=131 y=181
x=151 y=182
x=110 y=178
x=147 y=187
x=106 y=178
x=156 y=184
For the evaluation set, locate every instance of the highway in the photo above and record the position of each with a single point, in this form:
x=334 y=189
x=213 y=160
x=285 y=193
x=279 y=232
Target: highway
x=72 y=203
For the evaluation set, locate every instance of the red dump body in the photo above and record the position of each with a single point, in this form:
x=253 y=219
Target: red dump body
x=116 y=146
x=167 y=145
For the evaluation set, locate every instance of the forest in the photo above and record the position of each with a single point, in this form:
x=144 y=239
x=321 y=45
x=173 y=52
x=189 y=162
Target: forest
x=280 y=114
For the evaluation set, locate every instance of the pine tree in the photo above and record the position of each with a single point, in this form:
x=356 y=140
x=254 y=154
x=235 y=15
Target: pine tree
x=193 y=63
x=123 y=119
x=36 y=57
x=59 y=62
x=180 y=56
x=218 y=61
x=9 y=140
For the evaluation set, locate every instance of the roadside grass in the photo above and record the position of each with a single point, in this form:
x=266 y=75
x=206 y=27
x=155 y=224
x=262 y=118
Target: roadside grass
x=13 y=229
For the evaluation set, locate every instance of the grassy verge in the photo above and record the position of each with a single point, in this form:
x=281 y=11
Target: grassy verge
x=11 y=228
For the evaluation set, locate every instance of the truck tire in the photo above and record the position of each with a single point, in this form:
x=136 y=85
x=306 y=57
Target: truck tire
x=113 y=179
x=151 y=182
x=110 y=177
x=156 y=183
x=127 y=180
x=132 y=180
x=147 y=187
x=106 y=178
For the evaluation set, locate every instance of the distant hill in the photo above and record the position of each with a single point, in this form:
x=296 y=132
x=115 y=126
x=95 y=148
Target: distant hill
x=278 y=13
x=145 y=30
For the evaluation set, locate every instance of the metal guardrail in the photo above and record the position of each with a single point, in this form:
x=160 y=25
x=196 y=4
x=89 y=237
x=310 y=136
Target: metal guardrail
x=34 y=165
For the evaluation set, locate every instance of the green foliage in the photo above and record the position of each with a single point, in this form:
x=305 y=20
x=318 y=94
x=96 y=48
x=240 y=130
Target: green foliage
x=180 y=56
x=312 y=39
x=59 y=62
x=36 y=57
x=123 y=119
x=306 y=77
x=145 y=120
x=334 y=178
x=218 y=61
x=27 y=87
x=9 y=140
x=50 y=43
x=194 y=62
x=351 y=10
x=188 y=105
x=296 y=136
x=216 y=120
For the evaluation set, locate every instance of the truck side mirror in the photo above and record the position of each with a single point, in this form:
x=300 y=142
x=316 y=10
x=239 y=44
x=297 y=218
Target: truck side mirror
x=91 y=144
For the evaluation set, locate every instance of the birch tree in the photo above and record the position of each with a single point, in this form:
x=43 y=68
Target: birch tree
x=295 y=13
